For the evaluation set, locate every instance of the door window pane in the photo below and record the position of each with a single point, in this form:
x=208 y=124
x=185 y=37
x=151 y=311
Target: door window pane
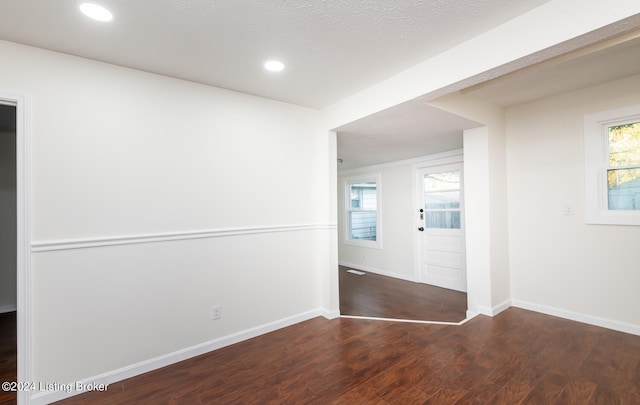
x=443 y=219
x=443 y=181
x=442 y=200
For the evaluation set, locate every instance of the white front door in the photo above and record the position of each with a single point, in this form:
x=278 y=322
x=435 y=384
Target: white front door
x=441 y=227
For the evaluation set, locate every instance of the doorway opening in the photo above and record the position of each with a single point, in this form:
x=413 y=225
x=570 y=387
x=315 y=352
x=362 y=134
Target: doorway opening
x=15 y=109
x=8 y=250
x=417 y=270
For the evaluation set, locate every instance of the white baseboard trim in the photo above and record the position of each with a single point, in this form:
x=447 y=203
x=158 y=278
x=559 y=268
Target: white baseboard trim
x=576 y=316
x=378 y=271
x=373 y=318
x=177 y=356
x=330 y=314
x=495 y=310
x=8 y=308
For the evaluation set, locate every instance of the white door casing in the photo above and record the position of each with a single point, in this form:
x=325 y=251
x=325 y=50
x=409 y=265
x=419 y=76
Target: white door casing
x=23 y=236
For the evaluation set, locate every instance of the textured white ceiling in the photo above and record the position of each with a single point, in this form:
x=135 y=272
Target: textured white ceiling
x=414 y=129
x=612 y=60
x=405 y=131
x=332 y=49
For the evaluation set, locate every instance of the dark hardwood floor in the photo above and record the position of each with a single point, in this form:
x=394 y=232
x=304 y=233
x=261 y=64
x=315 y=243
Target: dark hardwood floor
x=517 y=357
x=8 y=355
x=387 y=297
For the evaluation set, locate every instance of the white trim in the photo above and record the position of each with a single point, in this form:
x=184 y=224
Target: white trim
x=495 y=310
x=23 y=235
x=330 y=314
x=177 y=356
x=485 y=310
x=378 y=271
x=8 y=308
x=579 y=317
x=418 y=160
x=373 y=318
x=45 y=246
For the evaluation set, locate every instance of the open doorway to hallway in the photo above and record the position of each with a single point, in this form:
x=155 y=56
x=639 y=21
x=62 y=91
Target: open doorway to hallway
x=8 y=250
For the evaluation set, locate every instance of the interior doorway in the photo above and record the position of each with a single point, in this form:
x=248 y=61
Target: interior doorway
x=412 y=274
x=8 y=249
x=17 y=108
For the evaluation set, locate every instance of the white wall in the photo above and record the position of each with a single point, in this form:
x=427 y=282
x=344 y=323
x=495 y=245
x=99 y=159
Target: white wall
x=397 y=226
x=399 y=215
x=120 y=153
x=477 y=221
x=7 y=221
x=497 y=52
x=485 y=202
x=558 y=263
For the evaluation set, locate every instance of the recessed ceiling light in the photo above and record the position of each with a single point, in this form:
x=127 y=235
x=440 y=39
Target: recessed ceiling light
x=274 y=65
x=96 y=12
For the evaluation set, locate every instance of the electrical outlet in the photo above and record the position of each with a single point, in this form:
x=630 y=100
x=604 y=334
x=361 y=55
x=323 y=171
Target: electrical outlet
x=216 y=312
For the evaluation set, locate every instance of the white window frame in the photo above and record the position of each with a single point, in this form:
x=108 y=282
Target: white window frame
x=347 y=183
x=596 y=152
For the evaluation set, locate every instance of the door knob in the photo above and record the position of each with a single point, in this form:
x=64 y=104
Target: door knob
x=421 y=229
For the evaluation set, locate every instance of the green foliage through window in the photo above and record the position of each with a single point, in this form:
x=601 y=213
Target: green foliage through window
x=623 y=175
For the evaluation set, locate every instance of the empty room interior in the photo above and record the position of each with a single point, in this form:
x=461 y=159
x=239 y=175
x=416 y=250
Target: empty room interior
x=320 y=202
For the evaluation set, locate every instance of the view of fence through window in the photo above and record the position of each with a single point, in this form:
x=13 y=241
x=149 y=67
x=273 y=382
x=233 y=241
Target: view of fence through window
x=623 y=173
x=362 y=211
x=442 y=200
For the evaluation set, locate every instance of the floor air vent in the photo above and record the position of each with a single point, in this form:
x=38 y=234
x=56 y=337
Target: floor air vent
x=359 y=273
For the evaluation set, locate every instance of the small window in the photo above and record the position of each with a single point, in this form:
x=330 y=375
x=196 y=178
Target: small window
x=362 y=213
x=612 y=159
x=623 y=171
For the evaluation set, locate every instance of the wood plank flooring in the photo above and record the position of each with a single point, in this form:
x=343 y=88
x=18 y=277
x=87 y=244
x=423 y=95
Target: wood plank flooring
x=517 y=357
x=387 y=297
x=8 y=355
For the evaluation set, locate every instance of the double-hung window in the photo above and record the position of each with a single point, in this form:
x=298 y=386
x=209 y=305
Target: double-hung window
x=612 y=159
x=362 y=204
